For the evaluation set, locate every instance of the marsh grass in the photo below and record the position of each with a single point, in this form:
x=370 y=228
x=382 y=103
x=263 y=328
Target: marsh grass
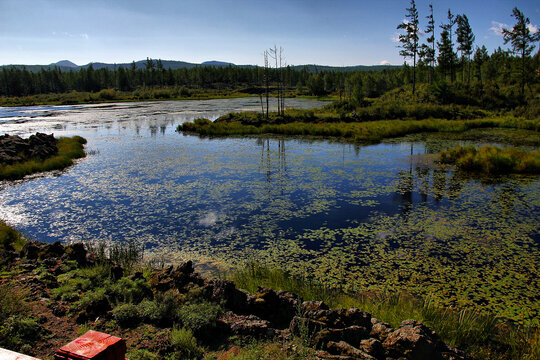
x=68 y=150
x=480 y=335
x=10 y=239
x=493 y=160
x=370 y=131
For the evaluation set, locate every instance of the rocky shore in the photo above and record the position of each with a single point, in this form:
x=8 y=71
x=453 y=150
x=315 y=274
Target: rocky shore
x=14 y=149
x=265 y=315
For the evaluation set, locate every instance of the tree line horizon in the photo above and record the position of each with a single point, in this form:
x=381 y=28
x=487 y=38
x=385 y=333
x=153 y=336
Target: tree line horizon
x=509 y=73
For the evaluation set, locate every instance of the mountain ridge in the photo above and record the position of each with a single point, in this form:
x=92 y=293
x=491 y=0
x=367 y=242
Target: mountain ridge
x=67 y=65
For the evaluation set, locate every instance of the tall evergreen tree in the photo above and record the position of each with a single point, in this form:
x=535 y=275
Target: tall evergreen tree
x=428 y=49
x=409 y=40
x=522 y=41
x=465 y=38
x=446 y=47
x=481 y=56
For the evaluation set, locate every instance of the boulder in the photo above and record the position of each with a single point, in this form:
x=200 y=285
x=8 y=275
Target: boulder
x=248 y=325
x=225 y=291
x=414 y=340
x=277 y=307
x=344 y=349
x=352 y=335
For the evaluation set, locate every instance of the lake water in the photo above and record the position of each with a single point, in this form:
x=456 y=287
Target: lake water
x=359 y=217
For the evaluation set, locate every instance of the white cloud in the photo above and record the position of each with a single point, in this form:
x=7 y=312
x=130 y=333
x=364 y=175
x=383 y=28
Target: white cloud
x=497 y=27
x=385 y=62
x=532 y=28
x=84 y=36
x=395 y=38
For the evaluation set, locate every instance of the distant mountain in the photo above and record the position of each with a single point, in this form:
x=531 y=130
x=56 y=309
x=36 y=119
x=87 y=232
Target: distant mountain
x=216 y=63
x=66 y=65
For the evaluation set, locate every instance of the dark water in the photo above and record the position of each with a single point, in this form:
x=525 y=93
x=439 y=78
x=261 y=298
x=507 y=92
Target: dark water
x=360 y=217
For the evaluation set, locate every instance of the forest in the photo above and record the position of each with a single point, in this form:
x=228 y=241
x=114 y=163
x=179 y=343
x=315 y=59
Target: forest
x=453 y=69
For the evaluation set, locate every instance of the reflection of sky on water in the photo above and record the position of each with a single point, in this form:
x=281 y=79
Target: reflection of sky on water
x=312 y=207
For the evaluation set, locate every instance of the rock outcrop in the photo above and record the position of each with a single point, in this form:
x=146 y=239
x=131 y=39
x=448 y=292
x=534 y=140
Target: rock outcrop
x=14 y=149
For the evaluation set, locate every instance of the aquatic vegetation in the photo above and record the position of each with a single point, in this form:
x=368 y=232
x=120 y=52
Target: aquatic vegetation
x=493 y=160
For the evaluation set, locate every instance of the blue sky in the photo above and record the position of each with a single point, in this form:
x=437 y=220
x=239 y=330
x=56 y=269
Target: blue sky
x=322 y=32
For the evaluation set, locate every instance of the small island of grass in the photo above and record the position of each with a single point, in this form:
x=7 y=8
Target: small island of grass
x=493 y=160
x=38 y=153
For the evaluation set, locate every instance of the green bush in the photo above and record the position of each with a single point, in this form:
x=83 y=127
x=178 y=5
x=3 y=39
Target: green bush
x=199 y=317
x=127 y=315
x=132 y=291
x=184 y=342
x=10 y=239
x=141 y=354
x=17 y=331
x=163 y=310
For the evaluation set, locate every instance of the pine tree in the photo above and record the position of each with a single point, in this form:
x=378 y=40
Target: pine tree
x=409 y=40
x=447 y=57
x=428 y=50
x=522 y=42
x=481 y=56
x=465 y=38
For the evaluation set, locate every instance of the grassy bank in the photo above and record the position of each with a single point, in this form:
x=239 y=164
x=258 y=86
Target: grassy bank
x=68 y=150
x=74 y=298
x=483 y=337
x=309 y=124
x=112 y=95
x=493 y=160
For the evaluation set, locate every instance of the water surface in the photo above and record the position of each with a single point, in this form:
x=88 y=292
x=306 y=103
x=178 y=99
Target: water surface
x=358 y=217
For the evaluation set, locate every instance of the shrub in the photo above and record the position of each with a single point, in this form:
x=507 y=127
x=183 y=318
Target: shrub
x=127 y=290
x=141 y=354
x=185 y=344
x=127 y=315
x=16 y=331
x=10 y=239
x=162 y=310
x=199 y=317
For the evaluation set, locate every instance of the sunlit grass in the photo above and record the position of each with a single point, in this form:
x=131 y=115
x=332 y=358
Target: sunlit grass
x=493 y=160
x=68 y=150
x=309 y=124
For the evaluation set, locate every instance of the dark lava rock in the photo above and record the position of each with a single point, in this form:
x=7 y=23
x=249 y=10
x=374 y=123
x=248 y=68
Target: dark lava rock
x=277 y=307
x=248 y=325
x=15 y=149
x=414 y=340
x=372 y=347
x=345 y=349
x=76 y=252
x=218 y=290
x=352 y=335
x=380 y=330
x=30 y=250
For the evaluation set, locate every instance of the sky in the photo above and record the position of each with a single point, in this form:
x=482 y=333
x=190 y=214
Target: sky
x=335 y=32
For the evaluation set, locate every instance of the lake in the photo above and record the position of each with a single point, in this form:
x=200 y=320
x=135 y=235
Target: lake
x=360 y=217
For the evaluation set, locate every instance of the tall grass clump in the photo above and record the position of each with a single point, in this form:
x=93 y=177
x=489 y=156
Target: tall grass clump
x=10 y=239
x=493 y=160
x=68 y=150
